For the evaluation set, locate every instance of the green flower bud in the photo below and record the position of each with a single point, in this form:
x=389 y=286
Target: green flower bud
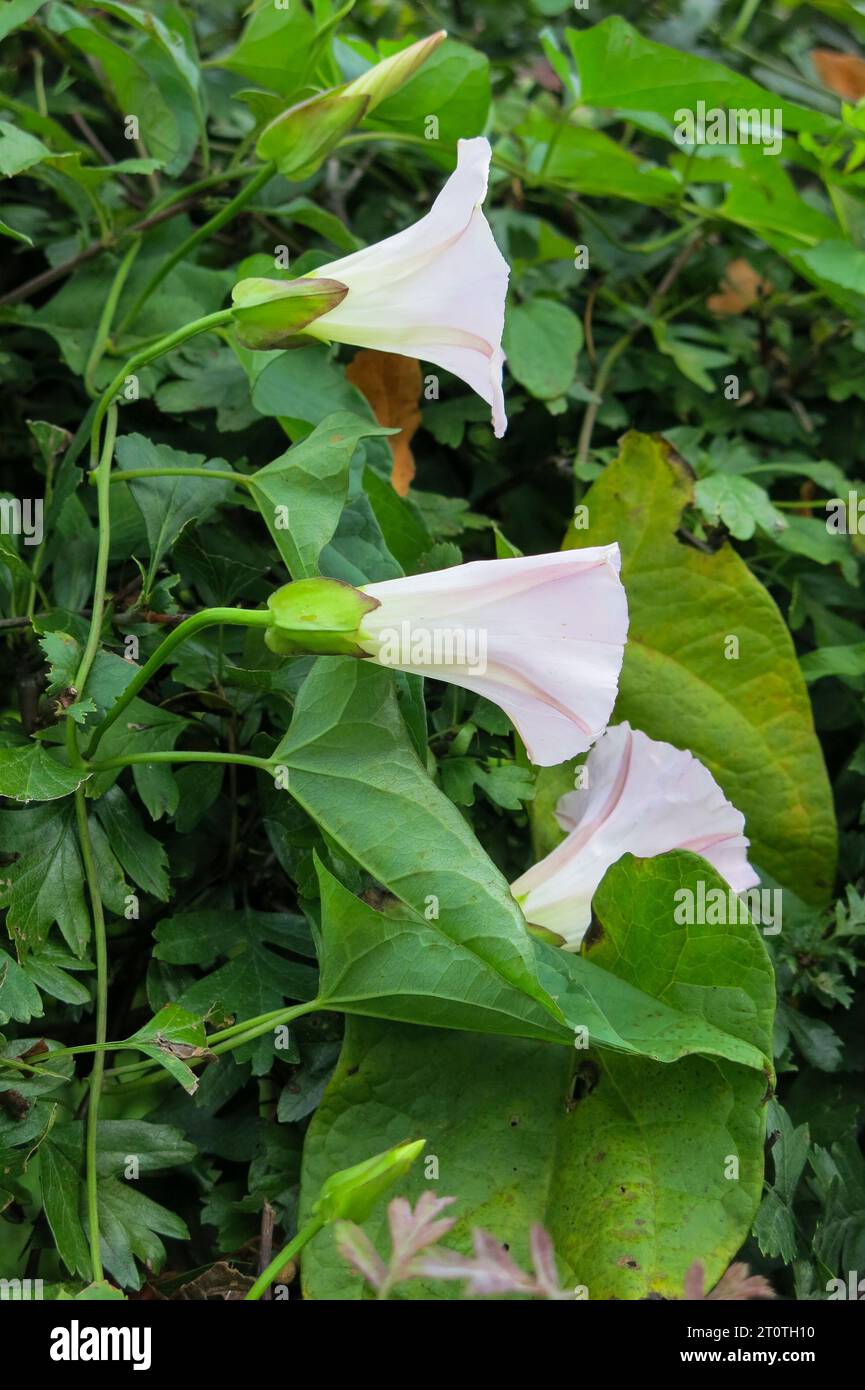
x=270 y=313
x=297 y=140
x=300 y=138
x=317 y=615
x=352 y=1194
x=386 y=77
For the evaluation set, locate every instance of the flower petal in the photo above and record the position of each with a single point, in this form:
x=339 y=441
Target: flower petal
x=435 y=290
x=541 y=636
x=643 y=798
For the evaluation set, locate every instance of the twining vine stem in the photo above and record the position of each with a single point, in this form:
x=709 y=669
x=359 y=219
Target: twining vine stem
x=208 y=617
x=101 y=456
x=98 y=1069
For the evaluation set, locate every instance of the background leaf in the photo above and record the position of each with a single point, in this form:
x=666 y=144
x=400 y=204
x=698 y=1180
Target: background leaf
x=302 y=493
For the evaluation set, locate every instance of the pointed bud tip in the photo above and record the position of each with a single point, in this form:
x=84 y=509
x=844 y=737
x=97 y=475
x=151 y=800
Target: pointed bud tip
x=353 y=1192
x=389 y=74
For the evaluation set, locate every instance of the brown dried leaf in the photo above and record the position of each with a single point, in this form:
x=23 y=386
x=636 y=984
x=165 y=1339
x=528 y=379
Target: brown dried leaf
x=842 y=73
x=15 y=1105
x=741 y=287
x=392 y=385
x=220 y=1283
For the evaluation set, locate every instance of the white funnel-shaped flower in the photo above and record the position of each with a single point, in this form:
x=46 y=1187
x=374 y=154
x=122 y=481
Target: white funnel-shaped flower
x=643 y=798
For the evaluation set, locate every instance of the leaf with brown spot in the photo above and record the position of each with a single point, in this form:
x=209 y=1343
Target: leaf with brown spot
x=842 y=73
x=183 y=1050
x=741 y=287
x=391 y=384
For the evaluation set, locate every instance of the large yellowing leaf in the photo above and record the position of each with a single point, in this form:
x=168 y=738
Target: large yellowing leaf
x=747 y=717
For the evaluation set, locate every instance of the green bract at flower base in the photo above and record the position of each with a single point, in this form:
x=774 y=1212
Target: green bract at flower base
x=352 y=1194
x=297 y=140
x=300 y=138
x=270 y=313
x=317 y=615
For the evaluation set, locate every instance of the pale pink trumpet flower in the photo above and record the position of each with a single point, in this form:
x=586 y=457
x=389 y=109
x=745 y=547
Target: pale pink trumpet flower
x=640 y=797
x=541 y=636
x=435 y=290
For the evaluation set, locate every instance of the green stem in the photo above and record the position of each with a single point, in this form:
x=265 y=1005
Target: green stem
x=250 y=1034
x=599 y=386
x=268 y=1020
x=226 y=1040
x=621 y=344
x=101 y=460
x=636 y=248
x=17 y=1065
x=125 y=475
x=39 y=83
x=106 y=319
x=208 y=617
x=148 y=354
x=189 y=190
x=103 y=470
x=132 y=759
x=231 y=209
x=397 y=137
x=746 y=14
x=81 y=1049
x=36 y=567
x=294 y=1247
x=98 y=1071
x=229 y=1038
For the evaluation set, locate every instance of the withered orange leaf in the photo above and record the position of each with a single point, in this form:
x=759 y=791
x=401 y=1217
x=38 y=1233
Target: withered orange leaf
x=392 y=385
x=842 y=73
x=741 y=287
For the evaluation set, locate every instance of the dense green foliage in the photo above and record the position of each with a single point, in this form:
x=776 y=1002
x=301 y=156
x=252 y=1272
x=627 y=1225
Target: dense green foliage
x=263 y=836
